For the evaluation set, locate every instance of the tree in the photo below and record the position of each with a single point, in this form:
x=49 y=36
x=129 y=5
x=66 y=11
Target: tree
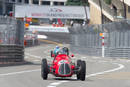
x=77 y=2
x=108 y=2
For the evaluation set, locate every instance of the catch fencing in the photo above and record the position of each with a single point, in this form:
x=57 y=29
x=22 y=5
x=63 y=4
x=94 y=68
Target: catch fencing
x=11 y=40
x=88 y=39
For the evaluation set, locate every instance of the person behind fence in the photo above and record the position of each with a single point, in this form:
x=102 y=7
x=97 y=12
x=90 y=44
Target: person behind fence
x=56 y=50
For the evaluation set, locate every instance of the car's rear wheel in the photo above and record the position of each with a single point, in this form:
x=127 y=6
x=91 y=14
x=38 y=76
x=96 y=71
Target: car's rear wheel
x=83 y=71
x=44 y=69
x=52 y=54
x=78 y=65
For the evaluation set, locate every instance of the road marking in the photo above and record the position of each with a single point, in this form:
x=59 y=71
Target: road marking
x=33 y=55
x=20 y=72
x=36 y=60
x=57 y=83
x=108 y=71
x=90 y=75
x=95 y=57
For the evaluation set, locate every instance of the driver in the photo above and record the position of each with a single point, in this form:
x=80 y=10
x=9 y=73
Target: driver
x=56 y=50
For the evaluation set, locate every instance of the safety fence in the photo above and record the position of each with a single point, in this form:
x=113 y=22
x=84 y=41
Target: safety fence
x=11 y=40
x=11 y=53
x=89 y=40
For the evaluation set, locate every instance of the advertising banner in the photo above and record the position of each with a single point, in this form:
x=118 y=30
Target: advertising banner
x=64 y=12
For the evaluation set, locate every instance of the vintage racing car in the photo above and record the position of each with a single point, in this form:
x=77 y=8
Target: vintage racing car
x=62 y=66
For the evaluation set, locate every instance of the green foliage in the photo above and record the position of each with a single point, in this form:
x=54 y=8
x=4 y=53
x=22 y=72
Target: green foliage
x=77 y=2
x=108 y=2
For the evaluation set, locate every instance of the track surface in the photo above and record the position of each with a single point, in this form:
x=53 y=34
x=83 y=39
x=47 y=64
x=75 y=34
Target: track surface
x=101 y=72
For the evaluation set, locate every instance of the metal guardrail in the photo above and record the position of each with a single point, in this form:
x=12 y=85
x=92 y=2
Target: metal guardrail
x=11 y=53
x=87 y=39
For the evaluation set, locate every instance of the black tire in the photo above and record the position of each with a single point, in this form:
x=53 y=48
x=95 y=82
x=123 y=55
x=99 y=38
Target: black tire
x=51 y=53
x=83 y=71
x=44 y=69
x=78 y=65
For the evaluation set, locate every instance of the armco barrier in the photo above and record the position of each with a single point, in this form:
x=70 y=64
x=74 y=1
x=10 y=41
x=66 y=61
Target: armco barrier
x=115 y=43
x=11 y=53
x=11 y=40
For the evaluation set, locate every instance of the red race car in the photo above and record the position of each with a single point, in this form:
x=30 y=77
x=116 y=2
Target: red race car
x=62 y=66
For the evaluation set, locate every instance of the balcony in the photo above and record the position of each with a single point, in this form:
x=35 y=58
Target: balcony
x=108 y=10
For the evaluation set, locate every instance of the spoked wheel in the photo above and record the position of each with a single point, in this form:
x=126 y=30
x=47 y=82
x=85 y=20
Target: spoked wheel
x=82 y=70
x=44 y=69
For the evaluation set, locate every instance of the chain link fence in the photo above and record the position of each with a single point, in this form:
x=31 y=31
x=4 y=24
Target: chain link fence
x=11 y=40
x=87 y=39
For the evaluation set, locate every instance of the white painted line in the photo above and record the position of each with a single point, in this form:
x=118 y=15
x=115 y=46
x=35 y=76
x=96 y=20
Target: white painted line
x=51 y=86
x=57 y=83
x=103 y=61
x=112 y=70
x=36 y=60
x=95 y=57
x=33 y=55
x=20 y=72
x=84 y=57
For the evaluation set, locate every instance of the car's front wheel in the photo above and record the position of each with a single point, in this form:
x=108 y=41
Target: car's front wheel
x=44 y=69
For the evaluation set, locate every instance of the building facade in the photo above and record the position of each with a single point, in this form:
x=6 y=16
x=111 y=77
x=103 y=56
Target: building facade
x=127 y=6
x=6 y=6
x=117 y=10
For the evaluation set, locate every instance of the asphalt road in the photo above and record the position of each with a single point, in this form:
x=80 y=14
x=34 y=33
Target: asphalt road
x=101 y=72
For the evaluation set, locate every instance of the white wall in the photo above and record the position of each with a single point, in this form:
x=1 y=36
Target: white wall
x=126 y=1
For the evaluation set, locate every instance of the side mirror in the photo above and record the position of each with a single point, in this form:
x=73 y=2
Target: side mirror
x=72 y=55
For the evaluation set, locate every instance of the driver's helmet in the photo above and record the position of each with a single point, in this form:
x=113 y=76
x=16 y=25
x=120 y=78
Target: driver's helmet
x=57 y=49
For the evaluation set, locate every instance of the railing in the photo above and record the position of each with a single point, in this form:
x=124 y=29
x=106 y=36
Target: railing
x=106 y=8
x=87 y=39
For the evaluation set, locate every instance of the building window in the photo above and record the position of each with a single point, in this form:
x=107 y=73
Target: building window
x=45 y=2
x=35 y=1
x=129 y=9
x=20 y=1
x=62 y=3
x=13 y=0
x=58 y=3
x=26 y=1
